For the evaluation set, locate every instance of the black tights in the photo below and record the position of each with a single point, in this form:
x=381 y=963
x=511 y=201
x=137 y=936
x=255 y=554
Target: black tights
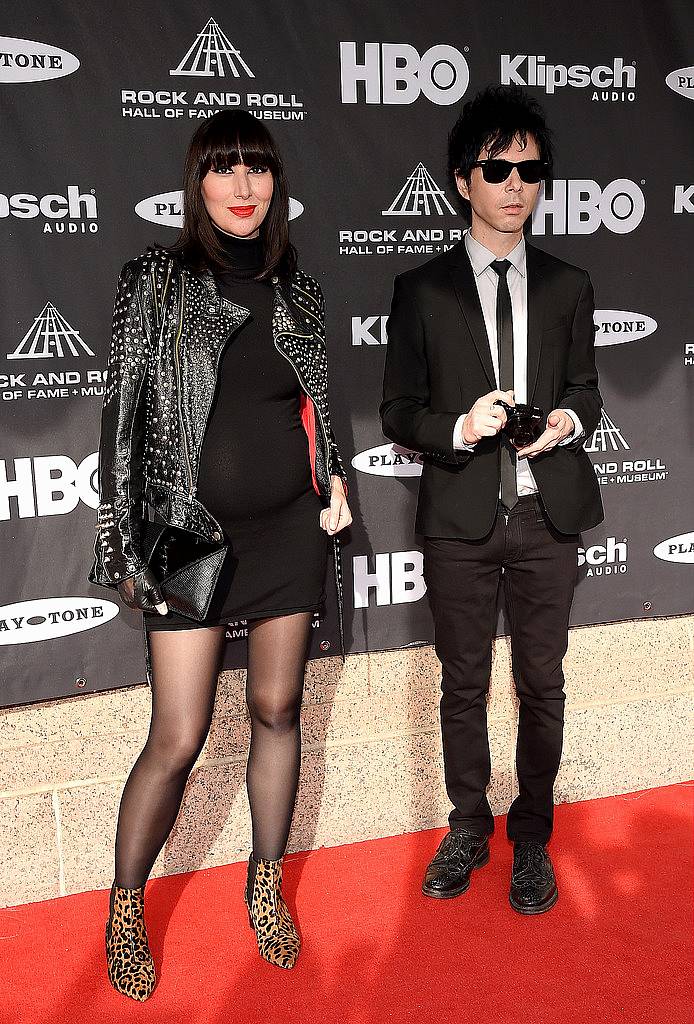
x=185 y=665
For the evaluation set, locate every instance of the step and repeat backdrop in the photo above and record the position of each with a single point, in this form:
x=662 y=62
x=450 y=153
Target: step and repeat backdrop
x=98 y=104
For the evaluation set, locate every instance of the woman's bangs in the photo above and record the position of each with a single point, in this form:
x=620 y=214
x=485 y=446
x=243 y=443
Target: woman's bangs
x=227 y=153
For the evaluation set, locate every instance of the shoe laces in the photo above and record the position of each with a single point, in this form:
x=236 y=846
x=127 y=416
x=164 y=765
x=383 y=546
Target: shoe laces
x=455 y=844
x=530 y=859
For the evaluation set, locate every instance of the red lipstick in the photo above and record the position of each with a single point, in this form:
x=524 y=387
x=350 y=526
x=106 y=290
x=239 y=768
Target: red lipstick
x=241 y=211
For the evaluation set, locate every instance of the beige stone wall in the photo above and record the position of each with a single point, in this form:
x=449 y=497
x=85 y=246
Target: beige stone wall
x=371 y=764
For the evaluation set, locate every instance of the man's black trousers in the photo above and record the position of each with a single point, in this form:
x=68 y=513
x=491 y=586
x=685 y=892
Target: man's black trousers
x=537 y=567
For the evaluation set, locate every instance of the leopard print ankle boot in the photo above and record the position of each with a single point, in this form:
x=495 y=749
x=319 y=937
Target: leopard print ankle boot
x=277 y=938
x=129 y=961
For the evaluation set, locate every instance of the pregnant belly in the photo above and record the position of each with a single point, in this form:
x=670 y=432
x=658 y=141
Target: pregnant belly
x=242 y=479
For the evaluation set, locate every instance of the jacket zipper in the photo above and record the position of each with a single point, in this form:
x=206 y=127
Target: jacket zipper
x=191 y=489
x=308 y=310
x=306 y=390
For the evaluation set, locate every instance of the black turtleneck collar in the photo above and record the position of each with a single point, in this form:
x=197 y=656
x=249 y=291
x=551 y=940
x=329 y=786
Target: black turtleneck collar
x=244 y=255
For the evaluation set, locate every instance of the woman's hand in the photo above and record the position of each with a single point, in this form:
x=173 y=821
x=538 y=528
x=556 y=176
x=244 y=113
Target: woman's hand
x=338 y=515
x=142 y=592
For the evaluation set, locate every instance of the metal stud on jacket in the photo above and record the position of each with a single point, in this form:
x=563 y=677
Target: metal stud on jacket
x=170 y=326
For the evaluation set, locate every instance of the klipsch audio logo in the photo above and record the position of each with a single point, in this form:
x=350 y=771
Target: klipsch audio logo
x=397 y=73
x=48 y=485
x=683 y=200
x=676 y=549
x=396 y=578
x=580 y=206
x=51 y=617
x=608 y=439
x=618 y=326
x=167 y=208
x=419 y=196
x=682 y=81
x=389 y=460
x=613 y=82
x=369 y=330
x=22 y=60
x=71 y=214
x=51 y=337
x=211 y=55
x=608 y=559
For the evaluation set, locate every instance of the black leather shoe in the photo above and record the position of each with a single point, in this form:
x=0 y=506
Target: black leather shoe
x=533 y=885
x=459 y=853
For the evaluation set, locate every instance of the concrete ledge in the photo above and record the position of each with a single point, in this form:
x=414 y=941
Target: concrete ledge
x=372 y=757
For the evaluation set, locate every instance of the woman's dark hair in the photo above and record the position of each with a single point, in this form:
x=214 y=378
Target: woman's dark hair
x=233 y=137
x=490 y=122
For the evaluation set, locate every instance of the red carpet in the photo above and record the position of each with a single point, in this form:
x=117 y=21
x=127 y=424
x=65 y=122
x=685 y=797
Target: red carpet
x=617 y=947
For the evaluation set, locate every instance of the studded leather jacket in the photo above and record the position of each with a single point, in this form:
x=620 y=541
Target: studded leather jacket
x=170 y=326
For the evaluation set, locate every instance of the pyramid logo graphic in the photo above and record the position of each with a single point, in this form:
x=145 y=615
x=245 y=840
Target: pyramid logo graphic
x=50 y=335
x=607 y=437
x=419 y=195
x=212 y=55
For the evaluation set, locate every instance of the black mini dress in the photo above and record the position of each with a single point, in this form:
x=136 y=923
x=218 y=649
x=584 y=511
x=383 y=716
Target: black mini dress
x=255 y=471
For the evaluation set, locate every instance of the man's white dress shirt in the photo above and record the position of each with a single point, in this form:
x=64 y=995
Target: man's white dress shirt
x=487 y=281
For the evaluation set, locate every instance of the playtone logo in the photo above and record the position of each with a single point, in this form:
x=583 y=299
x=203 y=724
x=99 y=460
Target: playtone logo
x=389 y=460
x=580 y=206
x=23 y=60
x=398 y=578
x=614 y=82
x=37 y=492
x=682 y=81
x=618 y=326
x=167 y=208
x=676 y=549
x=51 y=617
x=396 y=73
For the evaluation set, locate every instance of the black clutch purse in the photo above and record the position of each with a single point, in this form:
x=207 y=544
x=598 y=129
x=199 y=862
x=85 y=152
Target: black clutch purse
x=186 y=567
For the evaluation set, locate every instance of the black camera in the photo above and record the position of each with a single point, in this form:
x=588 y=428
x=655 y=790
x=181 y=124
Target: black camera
x=524 y=423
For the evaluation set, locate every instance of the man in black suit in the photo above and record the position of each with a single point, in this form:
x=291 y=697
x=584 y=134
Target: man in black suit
x=495 y=318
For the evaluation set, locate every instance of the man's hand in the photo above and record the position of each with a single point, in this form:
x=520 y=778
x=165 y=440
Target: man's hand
x=337 y=515
x=486 y=419
x=559 y=426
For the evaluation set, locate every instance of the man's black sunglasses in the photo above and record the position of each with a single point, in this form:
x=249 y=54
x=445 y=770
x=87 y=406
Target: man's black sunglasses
x=496 y=171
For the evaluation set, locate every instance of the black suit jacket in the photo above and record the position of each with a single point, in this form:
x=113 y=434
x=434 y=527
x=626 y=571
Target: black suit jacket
x=438 y=363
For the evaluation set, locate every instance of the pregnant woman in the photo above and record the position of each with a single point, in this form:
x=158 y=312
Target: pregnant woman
x=216 y=426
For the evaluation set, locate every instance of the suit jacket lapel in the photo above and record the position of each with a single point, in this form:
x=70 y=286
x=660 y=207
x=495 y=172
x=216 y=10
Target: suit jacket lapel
x=471 y=308
x=534 y=263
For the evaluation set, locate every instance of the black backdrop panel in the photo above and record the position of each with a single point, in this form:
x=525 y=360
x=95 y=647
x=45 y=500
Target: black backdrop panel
x=99 y=102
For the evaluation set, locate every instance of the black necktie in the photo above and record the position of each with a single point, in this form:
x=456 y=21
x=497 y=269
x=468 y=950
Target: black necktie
x=504 y=341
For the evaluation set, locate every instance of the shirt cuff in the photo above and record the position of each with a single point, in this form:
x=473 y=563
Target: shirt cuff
x=577 y=431
x=458 y=443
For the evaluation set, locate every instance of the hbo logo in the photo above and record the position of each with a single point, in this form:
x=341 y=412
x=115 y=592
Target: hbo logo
x=395 y=73
x=398 y=578
x=49 y=485
x=580 y=207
